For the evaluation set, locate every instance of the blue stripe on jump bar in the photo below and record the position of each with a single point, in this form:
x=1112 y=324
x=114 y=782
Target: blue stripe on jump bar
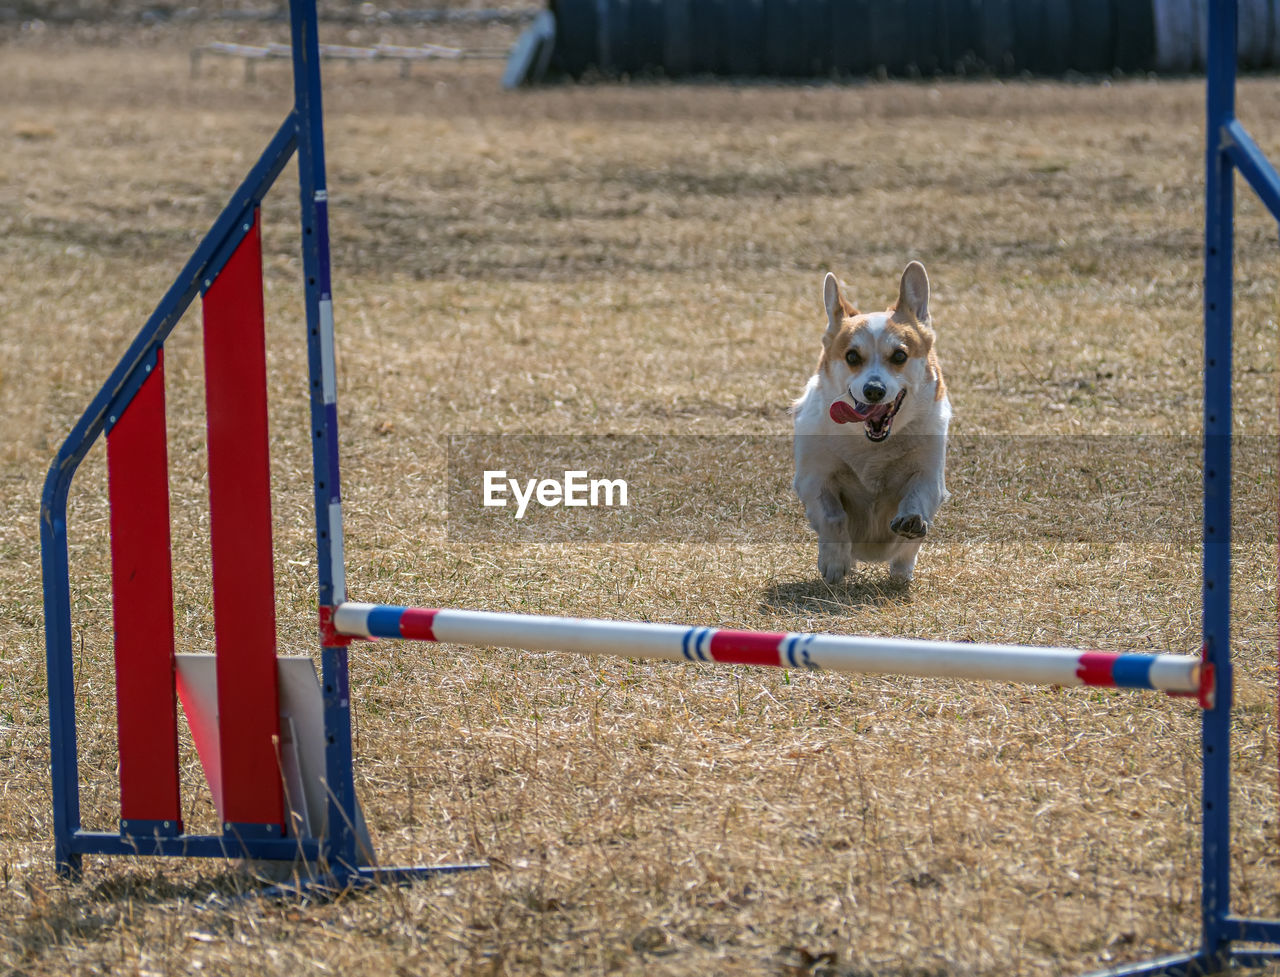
x=1132 y=671
x=796 y=648
x=702 y=644
x=694 y=644
x=384 y=622
x=789 y=650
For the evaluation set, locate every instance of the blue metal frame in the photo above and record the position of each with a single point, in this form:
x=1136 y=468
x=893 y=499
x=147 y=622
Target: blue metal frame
x=1229 y=149
x=340 y=844
x=333 y=860
x=1215 y=869
x=70 y=842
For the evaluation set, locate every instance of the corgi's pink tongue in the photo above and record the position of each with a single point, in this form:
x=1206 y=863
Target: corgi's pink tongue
x=843 y=412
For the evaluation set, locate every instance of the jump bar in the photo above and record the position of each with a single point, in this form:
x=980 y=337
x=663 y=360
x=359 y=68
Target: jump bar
x=1175 y=674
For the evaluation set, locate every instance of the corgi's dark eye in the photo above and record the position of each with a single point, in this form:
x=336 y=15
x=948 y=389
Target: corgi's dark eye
x=852 y=357
x=899 y=356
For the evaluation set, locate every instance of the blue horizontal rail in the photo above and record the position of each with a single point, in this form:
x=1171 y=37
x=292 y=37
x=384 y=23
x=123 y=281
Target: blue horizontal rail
x=1255 y=958
x=1177 y=965
x=408 y=873
x=1252 y=164
x=1253 y=930
x=195 y=846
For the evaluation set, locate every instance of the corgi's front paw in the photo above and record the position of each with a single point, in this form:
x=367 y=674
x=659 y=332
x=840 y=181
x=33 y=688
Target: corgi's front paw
x=834 y=561
x=912 y=526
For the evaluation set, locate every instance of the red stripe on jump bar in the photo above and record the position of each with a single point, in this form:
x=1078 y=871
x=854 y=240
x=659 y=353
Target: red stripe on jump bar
x=142 y=607
x=244 y=618
x=1095 y=667
x=415 y=623
x=746 y=648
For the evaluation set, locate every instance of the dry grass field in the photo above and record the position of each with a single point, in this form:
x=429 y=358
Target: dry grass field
x=647 y=260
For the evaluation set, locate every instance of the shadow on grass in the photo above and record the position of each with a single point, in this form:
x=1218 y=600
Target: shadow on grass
x=62 y=914
x=154 y=887
x=819 y=597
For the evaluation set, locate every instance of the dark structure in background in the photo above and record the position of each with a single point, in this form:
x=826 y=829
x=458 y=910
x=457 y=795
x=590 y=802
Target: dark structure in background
x=897 y=38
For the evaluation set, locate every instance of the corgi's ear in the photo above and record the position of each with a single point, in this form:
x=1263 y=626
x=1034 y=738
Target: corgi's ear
x=838 y=307
x=913 y=293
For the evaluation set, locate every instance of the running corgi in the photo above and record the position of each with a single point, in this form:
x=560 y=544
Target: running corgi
x=871 y=432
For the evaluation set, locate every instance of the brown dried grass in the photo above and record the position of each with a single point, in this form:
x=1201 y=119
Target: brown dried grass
x=587 y=260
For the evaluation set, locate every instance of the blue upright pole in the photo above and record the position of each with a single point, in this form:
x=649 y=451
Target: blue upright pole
x=339 y=849
x=61 y=673
x=1216 y=721
x=340 y=845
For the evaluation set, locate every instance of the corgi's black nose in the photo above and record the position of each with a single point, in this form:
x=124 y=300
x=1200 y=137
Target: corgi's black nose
x=873 y=390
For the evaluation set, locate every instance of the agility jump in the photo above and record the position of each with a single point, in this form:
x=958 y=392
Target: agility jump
x=258 y=811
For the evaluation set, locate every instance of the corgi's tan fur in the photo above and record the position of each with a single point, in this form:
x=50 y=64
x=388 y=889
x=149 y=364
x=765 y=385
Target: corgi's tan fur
x=872 y=488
